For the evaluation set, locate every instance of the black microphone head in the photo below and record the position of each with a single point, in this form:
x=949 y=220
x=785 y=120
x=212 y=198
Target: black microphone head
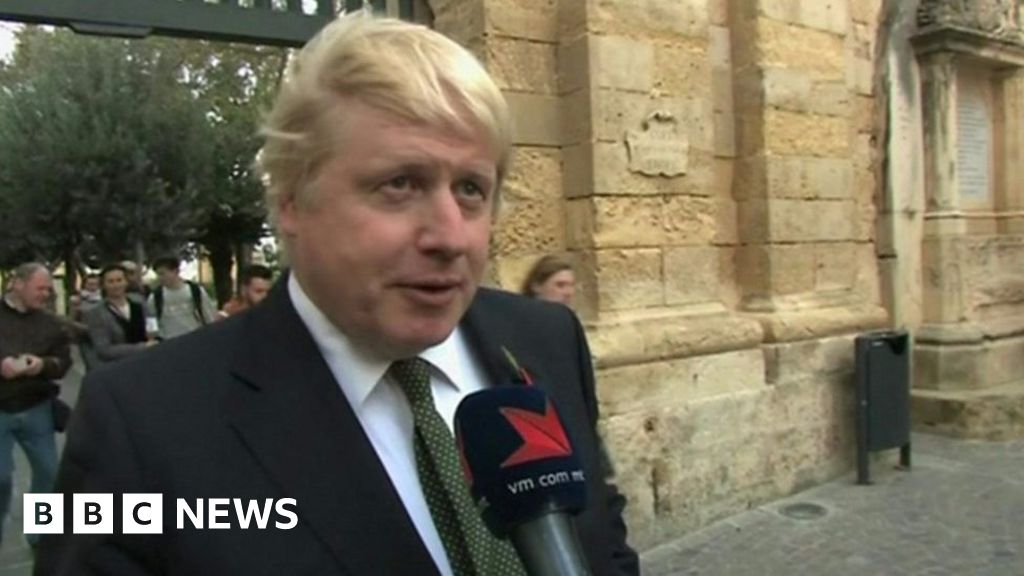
x=517 y=456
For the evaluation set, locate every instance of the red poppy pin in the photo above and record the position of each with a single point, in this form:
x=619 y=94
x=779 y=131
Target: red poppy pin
x=519 y=370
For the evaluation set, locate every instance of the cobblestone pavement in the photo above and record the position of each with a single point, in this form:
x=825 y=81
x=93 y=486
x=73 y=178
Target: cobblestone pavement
x=959 y=511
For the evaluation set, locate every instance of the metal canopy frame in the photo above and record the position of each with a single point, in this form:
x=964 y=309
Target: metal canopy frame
x=225 y=21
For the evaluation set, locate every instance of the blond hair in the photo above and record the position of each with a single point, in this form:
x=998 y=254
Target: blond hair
x=398 y=67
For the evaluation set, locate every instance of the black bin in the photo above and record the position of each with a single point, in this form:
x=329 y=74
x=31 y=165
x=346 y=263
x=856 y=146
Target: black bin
x=883 y=396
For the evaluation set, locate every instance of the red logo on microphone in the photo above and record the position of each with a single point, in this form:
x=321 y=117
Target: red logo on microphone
x=542 y=434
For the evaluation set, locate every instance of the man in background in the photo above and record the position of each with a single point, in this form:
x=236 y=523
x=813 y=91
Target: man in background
x=255 y=280
x=34 y=351
x=180 y=305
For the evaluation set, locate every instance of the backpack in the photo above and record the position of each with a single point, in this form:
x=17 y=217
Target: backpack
x=197 y=301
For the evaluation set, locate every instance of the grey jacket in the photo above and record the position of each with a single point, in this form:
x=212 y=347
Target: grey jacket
x=107 y=336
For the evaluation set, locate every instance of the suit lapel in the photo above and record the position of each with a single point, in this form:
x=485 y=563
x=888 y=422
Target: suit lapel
x=491 y=337
x=294 y=419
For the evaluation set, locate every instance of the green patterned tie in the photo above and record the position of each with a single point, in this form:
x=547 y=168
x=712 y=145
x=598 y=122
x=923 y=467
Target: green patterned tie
x=472 y=550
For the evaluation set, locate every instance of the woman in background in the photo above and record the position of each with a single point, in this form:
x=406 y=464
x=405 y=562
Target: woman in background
x=552 y=279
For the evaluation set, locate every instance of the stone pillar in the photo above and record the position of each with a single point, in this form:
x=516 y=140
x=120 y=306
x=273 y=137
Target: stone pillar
x=969 y=357
x=805 y=178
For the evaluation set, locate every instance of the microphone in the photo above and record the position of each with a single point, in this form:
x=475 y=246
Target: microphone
x=524 y=475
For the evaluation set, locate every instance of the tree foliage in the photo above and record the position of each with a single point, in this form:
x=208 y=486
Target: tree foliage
x=114 y=148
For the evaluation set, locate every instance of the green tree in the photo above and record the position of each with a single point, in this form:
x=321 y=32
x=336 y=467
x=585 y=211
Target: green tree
x=234 y=84
x=103 y=149
x=126 y=148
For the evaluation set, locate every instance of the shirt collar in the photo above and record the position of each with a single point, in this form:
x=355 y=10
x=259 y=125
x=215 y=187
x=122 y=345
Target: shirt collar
x=359 y=372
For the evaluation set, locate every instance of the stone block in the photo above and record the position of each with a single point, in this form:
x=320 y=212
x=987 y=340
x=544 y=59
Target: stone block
x=577 y=124
x=827 y=178
x=830 y=99
x=782 y=45
x=787 y=89
x=836 y=265
x=523 y=66
x=829 y=15
x=860 y=76
x=627 y=279
x=808 y=221
x=865 y=114
x=638 y=337
x=579 y=223
x=622 y=63
x=578 y=170
x=627 y=222
x=720 y=48
x=792 y=268
x=718 y=12
x=572 y=19
x=721 y=91
x=574 y=65
x=617 y=112
x=682 y=69
x=636 y=388
x=463 y=22
x=866 y=11
x=790 y=220
x=525 y=19
x=536 y=173
x=868 y=285
x=667 y=18
x=529 y=226
x=691 y=275
x=689 y=220
x=725 y=135
x=725 y=222
x=819 y=359
x=794 y=134
x=826 y=15
x=613 y=176
x=696 y=465
x=536 y=119
x=863 y=39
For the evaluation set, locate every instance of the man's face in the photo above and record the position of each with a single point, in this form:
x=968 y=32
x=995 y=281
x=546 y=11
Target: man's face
x=169 y=277
x=255 y=291
x=115 y=284
x=392 y=241
x=34 y=292
x=92 y=284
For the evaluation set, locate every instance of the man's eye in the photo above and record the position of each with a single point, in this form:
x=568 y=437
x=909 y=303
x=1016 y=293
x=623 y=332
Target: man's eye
x=470 y=189
x=399 y=183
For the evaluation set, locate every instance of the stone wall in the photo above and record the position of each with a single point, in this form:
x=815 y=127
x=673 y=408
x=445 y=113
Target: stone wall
x=710 y=166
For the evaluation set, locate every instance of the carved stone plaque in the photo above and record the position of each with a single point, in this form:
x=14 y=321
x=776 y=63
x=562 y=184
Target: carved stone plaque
x=658 y=149
x=974 y=146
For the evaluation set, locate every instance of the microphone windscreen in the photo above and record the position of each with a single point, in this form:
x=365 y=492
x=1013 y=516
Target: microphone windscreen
x=517 y=456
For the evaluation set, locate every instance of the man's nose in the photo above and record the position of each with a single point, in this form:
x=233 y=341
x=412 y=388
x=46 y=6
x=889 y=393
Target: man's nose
x=443 y=230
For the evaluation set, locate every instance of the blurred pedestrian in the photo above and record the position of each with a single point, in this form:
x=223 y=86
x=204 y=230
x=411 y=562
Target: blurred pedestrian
x=552 y=279
x=117 y=327
x=35 y=350
x=256 y=281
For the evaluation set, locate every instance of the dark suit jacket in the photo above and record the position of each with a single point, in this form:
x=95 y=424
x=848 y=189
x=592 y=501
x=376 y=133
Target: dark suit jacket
x=247 y=408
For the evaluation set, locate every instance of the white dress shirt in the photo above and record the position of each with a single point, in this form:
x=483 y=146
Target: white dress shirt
x=383 y=411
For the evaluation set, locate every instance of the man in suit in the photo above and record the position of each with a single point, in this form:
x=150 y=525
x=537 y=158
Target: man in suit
x=385 y=153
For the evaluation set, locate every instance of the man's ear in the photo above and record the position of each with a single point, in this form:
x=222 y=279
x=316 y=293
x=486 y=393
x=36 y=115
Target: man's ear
x=287 y=209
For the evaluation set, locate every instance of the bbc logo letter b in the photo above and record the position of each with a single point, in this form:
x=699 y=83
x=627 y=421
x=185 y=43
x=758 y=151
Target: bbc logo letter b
x=43 y=514
x=93 y=514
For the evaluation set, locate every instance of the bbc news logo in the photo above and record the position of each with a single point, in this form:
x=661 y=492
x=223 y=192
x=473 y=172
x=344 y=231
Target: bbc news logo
x=144 y=514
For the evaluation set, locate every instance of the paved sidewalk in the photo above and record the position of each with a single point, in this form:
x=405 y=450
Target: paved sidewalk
x=960 y=512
